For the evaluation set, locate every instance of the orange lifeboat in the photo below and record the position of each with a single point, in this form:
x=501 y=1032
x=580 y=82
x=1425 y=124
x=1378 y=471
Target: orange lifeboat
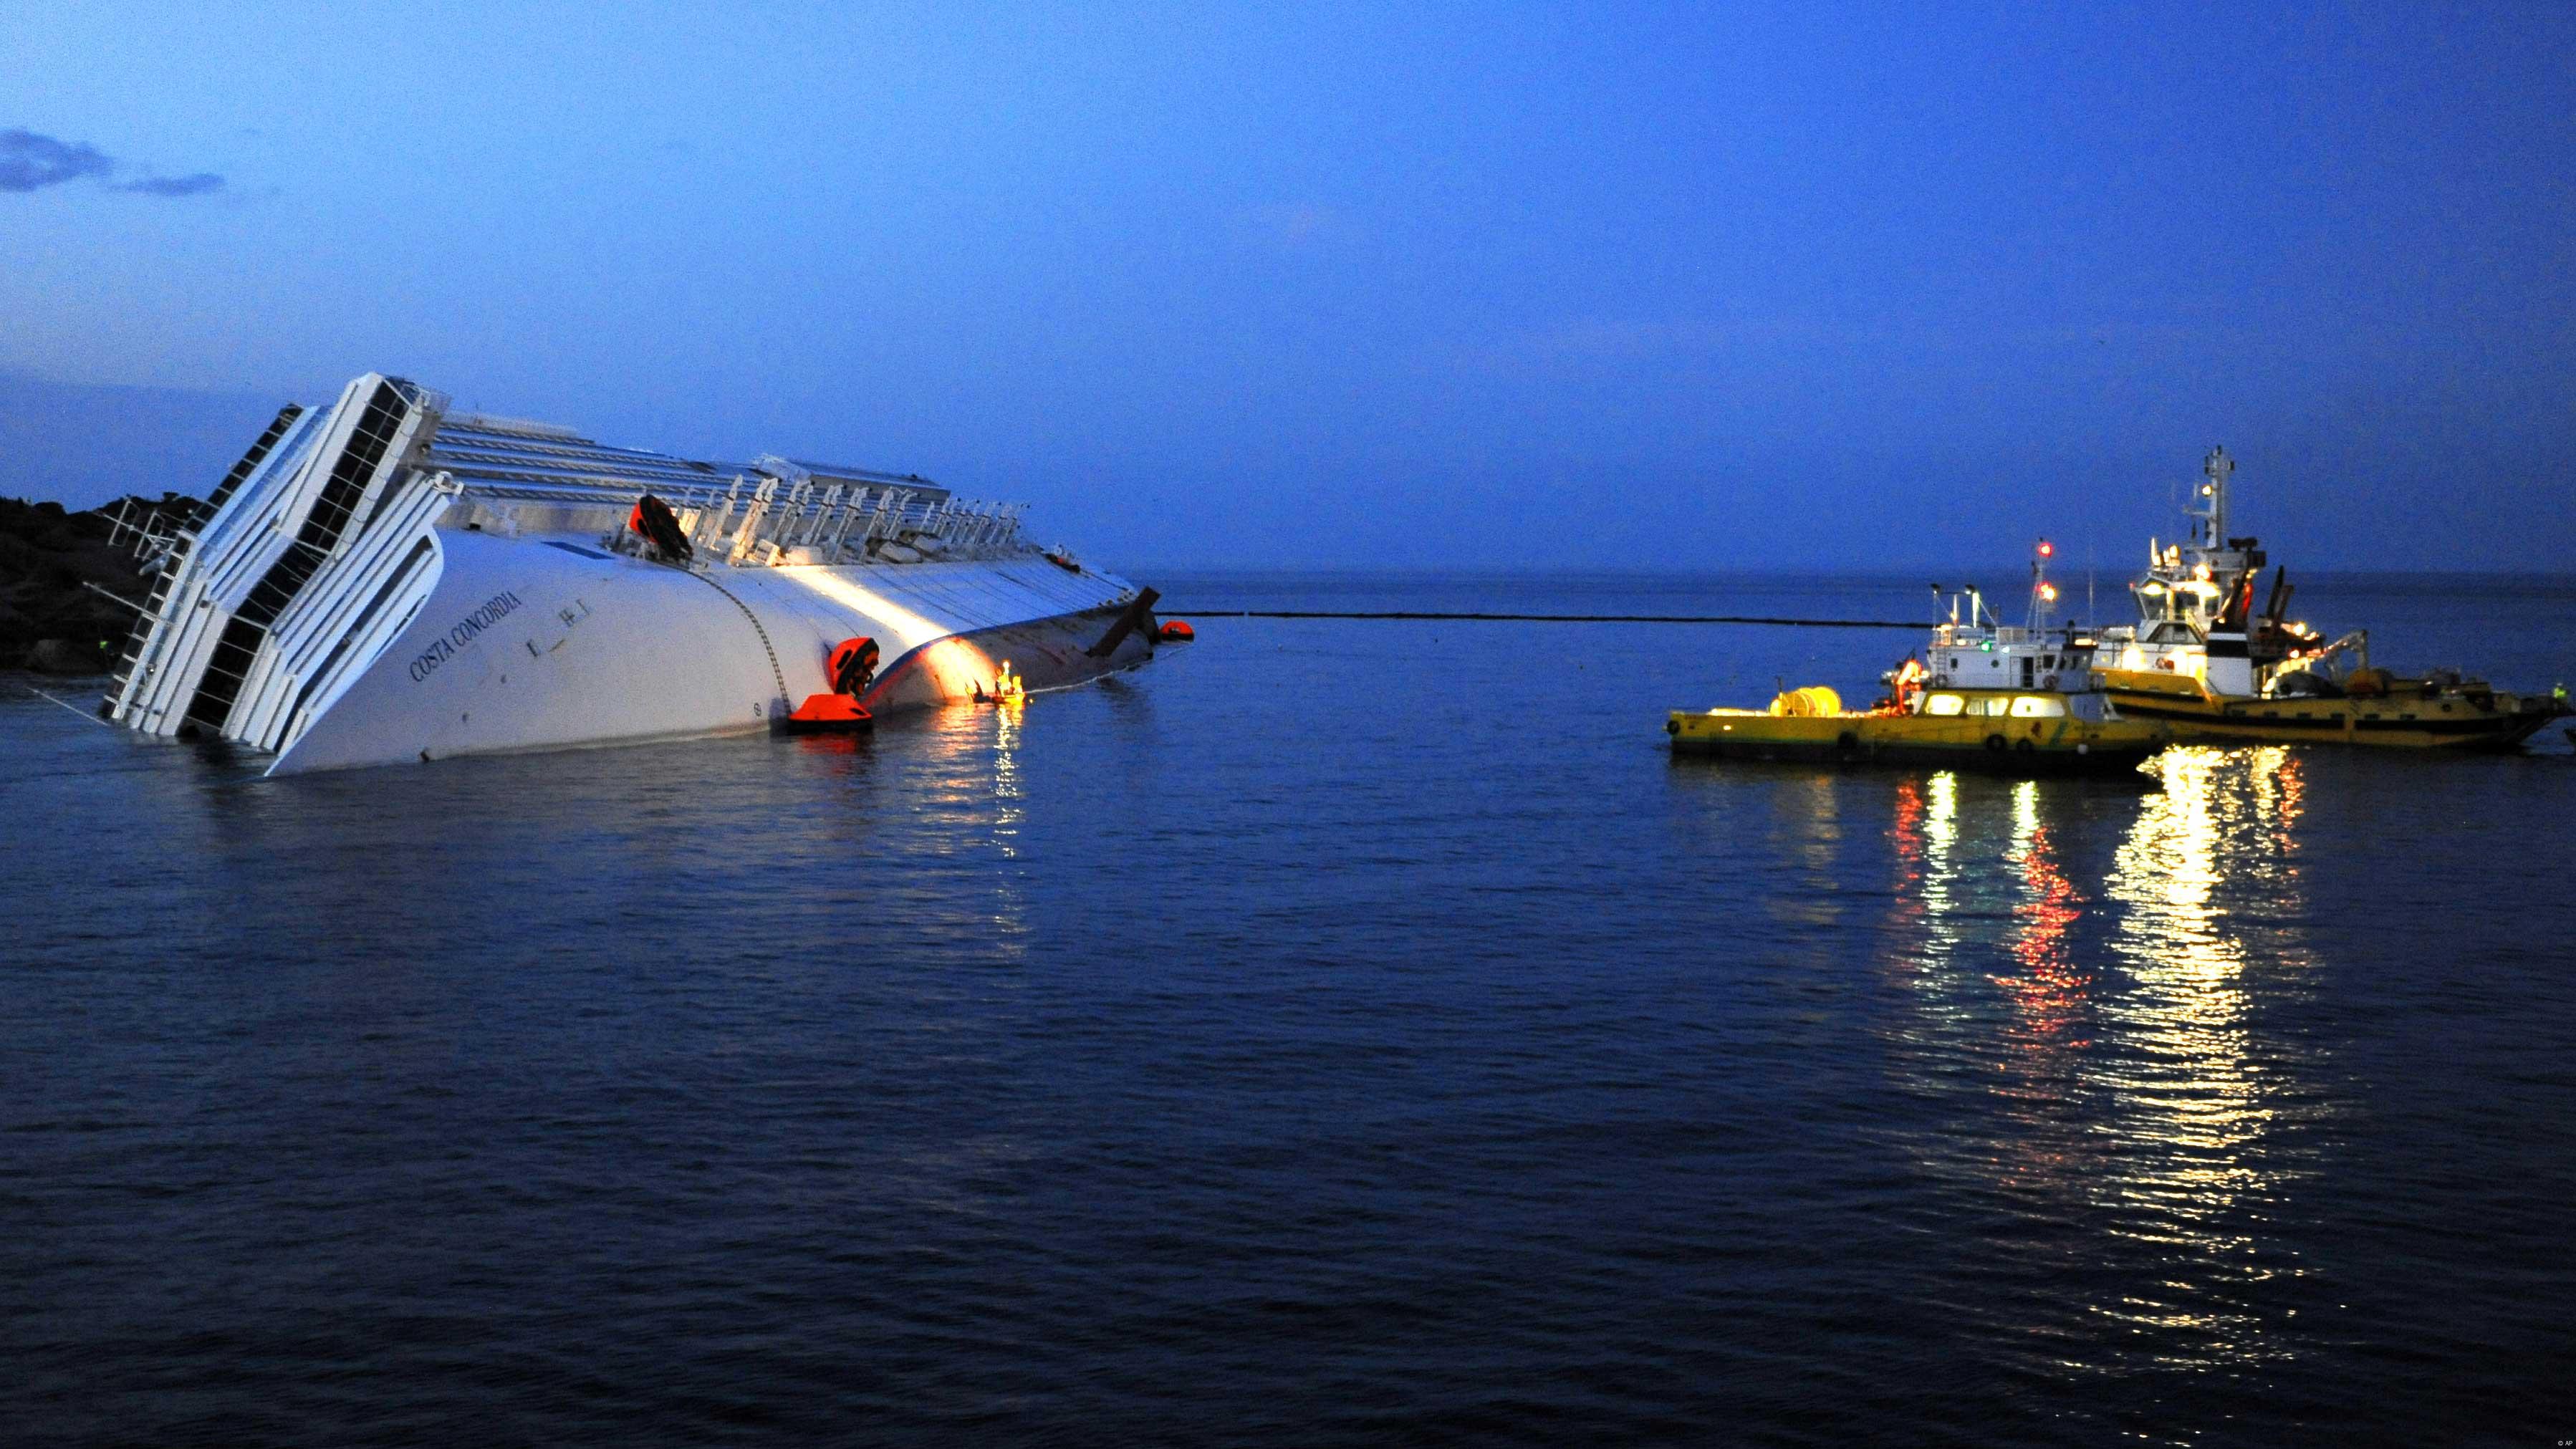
x=851 y=665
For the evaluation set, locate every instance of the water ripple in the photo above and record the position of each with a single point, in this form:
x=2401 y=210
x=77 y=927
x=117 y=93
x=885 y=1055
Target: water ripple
x=1208 y=1058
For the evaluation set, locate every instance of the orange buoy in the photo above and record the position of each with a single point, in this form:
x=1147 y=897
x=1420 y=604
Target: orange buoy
x=1176 y=631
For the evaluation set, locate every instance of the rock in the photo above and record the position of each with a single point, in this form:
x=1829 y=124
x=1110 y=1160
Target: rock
x=62 y=656
x=49 y=620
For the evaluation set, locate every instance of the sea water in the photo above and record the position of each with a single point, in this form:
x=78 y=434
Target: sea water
x=1337 y=1031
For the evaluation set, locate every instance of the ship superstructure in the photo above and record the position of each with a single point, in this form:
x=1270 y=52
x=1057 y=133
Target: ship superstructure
x=2194 y=606
x=386 y=579
x=2196 y=614
x=2203 y=659
x=1972 y=648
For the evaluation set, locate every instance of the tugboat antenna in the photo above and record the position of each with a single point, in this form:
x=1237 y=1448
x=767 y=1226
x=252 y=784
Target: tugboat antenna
x=2213 y=493
x=2043 y=594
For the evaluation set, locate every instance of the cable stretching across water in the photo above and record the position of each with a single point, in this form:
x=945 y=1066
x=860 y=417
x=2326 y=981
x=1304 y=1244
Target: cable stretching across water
x=1554 y=618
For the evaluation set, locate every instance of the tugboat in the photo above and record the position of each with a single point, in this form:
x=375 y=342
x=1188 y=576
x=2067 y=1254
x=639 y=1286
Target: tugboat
x=2201 y=665
x=2201 y=659
x=1994 y=698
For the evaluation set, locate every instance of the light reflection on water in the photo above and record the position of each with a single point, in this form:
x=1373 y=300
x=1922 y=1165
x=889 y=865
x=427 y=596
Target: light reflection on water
x=1010 y=908
x=980 y=790
x=2050 y=986
x=2209 y=900
x=1336 y=1033
x=2102 y=974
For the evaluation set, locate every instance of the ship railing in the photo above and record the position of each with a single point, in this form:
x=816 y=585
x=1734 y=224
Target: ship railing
x=2001 y=635
x=756 y=519
x=800 y=520
x=145 y=529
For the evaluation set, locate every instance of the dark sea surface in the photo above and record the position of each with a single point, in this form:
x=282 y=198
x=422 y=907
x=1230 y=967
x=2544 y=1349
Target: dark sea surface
x=1335 y=1032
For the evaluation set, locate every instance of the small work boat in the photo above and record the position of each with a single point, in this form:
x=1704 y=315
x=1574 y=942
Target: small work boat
x=2008 y=731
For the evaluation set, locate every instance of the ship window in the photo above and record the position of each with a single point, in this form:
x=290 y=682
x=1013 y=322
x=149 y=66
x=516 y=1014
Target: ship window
x=1990 y=704
x=2037 y=706
x=2029 y=668
x=1943 y=704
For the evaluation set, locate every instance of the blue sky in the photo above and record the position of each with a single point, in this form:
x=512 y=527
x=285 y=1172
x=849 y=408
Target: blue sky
x=1716 y=286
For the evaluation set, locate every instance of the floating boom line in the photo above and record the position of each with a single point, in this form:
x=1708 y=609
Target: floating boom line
x=1559 y=618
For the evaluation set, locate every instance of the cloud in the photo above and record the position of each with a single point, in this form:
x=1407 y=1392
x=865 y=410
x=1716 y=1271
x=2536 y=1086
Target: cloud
x=197 y=185
x=29 y=161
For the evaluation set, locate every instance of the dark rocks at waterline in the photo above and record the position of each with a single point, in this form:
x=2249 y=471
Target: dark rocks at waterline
x=49 y=622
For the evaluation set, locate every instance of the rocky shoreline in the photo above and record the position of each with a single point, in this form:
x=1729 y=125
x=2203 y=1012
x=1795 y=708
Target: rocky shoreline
x=49 y=622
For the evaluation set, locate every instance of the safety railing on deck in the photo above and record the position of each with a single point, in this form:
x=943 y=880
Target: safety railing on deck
x=756 y=520
x=779 y=520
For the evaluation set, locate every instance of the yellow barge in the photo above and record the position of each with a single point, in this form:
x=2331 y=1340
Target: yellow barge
x=2005 y=731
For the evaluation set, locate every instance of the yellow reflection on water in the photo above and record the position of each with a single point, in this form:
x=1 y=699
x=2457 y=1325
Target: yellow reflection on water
x=1937 y=865
x=2223 y=821
x=1007 y=786
x=2206 y=885
x=964 y=769
x=2084 y=975
x=1010 y=797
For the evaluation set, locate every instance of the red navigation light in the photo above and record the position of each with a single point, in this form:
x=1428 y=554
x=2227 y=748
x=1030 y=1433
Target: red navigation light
x=2046 y=549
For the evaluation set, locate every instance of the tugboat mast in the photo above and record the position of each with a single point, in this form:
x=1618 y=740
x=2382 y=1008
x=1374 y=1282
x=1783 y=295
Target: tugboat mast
x=2043 y=594
x=2213 y=494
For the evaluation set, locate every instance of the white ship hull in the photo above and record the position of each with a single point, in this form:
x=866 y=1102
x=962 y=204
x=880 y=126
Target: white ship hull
x=382 y=585
x=526 y=646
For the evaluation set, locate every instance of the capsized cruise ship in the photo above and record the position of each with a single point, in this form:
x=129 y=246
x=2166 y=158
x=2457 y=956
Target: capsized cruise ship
x=386 y=580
